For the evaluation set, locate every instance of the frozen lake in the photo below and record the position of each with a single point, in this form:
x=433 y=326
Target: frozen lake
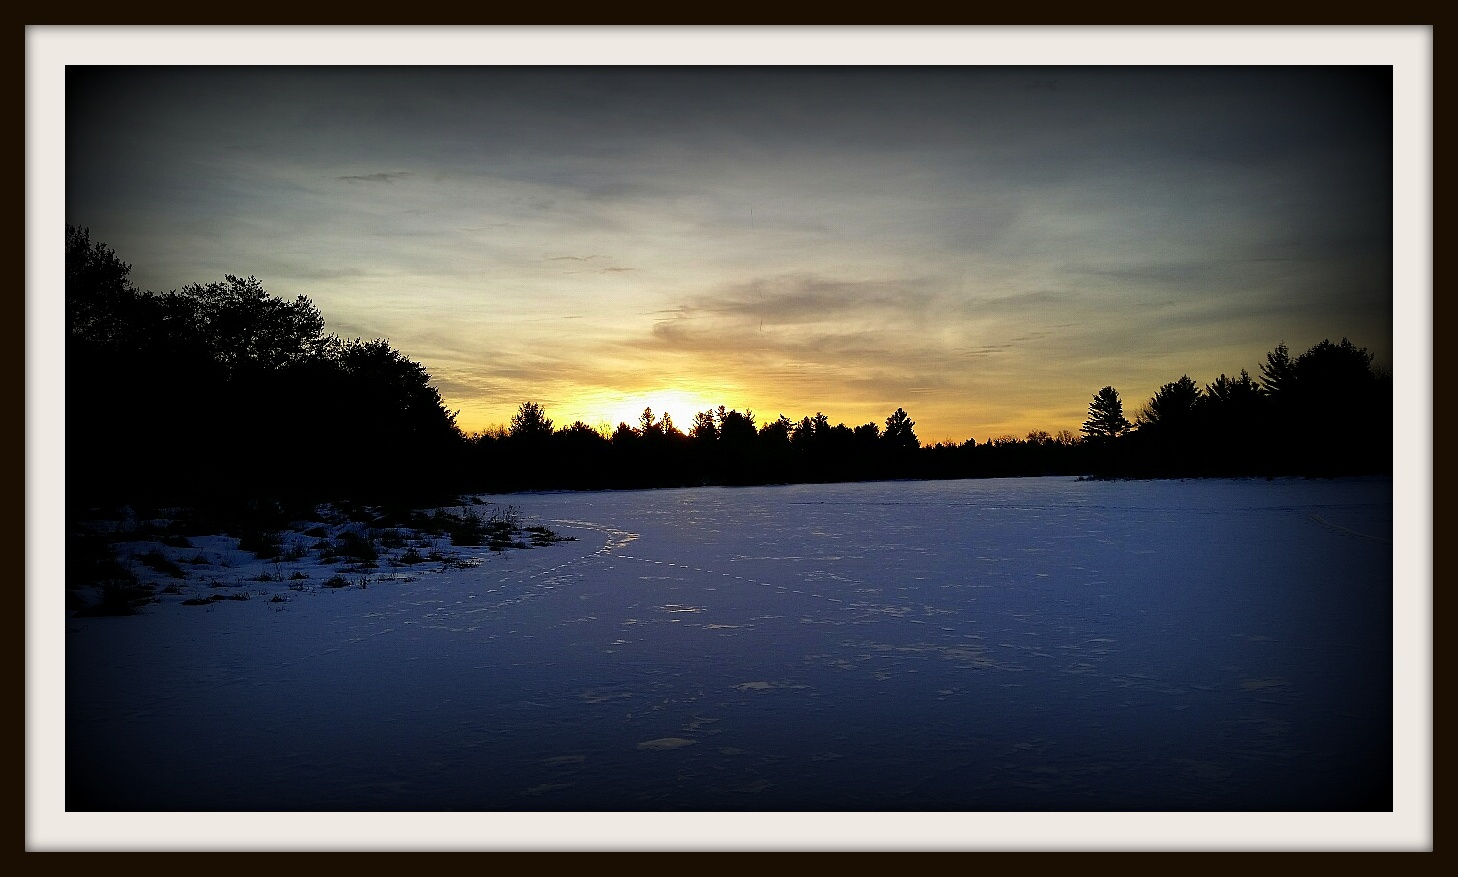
x=1000 y=645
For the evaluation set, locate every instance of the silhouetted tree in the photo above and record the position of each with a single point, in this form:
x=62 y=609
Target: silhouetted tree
x=774 y=453
x=397 y=384
x=1342 y=408
x=1169 y=440
x=413 y=438
x=1233 y=394
x=530 y=423
x=1172 y=407
x=704 y=427
x=648 y=428
x=737 y=428
x=899 y=434
x=245 y=327
x=802 y=435
x=223 y=392
x=1277 y=369
x=580 y=458
x=1106 y=416
x=577 y=428
x=1330 y=372
x=777 y=430
x=98 y=287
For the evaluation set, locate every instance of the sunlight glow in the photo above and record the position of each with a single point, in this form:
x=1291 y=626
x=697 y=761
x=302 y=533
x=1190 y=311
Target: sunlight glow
x=680 y=405
x=613 y=408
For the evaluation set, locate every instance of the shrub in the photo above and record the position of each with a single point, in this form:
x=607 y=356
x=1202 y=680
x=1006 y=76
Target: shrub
x=195 y=522
x=466 y=529
x=119 y=599
x=356 y=547
x=391 y=538
x=541 y=536
x=265 y=544
x=214 y=598
x=160 y=562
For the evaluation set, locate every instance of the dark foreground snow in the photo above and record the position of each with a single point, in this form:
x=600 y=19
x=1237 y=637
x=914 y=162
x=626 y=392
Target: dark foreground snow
x=1024 y=645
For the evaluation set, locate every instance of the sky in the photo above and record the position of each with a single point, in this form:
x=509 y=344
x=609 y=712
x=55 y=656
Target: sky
x=983 y=246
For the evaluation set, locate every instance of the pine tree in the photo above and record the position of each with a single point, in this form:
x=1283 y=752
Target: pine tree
x=531 y=423
x=1105 y=415
x=1173 y=406
x=899 y=432
x=1277 y=370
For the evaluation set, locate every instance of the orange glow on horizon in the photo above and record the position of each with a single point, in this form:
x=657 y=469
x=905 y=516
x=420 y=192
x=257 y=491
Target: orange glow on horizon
x=936 y=421
x=610 y=409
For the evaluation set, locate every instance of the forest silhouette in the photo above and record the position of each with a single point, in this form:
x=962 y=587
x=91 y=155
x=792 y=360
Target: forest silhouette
x=222 y=394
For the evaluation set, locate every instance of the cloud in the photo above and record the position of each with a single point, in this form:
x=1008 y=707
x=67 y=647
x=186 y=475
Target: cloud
x=301 y=271
x=374 y=178
x=804 y=298
x=588 y=269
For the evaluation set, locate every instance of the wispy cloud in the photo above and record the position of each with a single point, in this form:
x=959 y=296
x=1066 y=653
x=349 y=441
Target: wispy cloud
x=374 y=178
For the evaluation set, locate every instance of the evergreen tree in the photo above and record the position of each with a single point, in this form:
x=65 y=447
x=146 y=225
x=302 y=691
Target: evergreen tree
x=704 y=427
x=530 y=423
x=899 y=434
x=1173 y=406
x=1238 y=393
x=1105 y=415
x=1277 y=371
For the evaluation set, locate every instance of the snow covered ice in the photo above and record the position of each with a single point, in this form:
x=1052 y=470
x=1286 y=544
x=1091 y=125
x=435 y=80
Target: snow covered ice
x=1001 y=645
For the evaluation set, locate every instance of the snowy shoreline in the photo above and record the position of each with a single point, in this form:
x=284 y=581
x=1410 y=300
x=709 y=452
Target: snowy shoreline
x=157 y=563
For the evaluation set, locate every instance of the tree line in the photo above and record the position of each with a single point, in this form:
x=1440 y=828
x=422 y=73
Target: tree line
x=222 y=391
x=1324 y=412
x=721 y=446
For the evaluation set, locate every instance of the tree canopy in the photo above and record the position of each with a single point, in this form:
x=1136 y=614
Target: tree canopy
x=221 y=388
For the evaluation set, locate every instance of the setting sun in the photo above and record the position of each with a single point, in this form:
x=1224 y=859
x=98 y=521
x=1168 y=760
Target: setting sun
x=611 y=409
